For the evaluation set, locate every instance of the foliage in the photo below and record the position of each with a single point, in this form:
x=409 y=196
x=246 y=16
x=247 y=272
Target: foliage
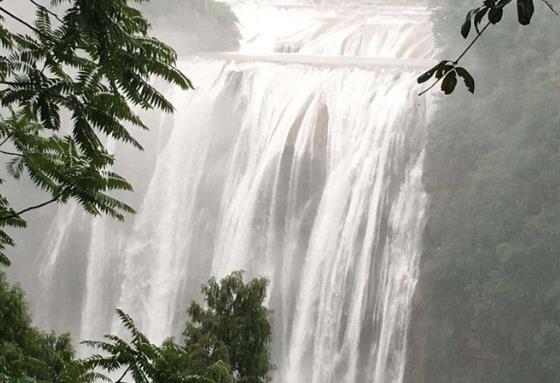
x=488 y=302
x=146 y=362
x=226 y=342
x=29 y=355
x=67 y=87
x=492 y=11
x=234 y=327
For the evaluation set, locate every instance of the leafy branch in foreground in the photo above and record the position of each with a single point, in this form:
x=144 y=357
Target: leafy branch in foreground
x=145 y=362
x=492 y=11
x=67 y=86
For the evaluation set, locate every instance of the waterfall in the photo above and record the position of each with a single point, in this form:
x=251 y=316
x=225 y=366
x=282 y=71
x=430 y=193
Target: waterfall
x=298 y=158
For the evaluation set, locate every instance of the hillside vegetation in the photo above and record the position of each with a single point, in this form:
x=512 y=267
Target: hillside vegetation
x=487 y=308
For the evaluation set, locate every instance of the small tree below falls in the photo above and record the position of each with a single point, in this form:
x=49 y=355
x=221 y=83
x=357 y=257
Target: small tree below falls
x=226 y=341
x=234 y=326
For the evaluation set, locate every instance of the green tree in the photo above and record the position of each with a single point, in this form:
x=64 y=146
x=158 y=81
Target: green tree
x=233 y=326
x=226 y=341
x=69 y=84
x=28 y=355
x=146 y=362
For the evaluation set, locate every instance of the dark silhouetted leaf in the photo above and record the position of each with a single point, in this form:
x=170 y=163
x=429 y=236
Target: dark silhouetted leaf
x=430 y=73
x=449 y=83
x=427 y=75
x=445 y=67
x=467 y=78
x=479 y=17
x=466 y=28
x=525 y=10
x=495 y=15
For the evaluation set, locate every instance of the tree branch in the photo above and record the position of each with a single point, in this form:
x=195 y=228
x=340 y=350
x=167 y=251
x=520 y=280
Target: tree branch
x=550 y=6
x=7 y=138
x=468 y=48
x=2 y=9
x=17 y=214
x=11 y=153
x=472 y=43
x=123 y=375
x=47 y=10
x=15 y=83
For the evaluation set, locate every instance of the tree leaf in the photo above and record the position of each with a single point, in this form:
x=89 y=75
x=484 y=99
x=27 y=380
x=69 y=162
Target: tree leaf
x=467 y=78
x=479 y=17
x=466 y=27
x=430 y=73
x=449 y=83
x=495 y=15
x=446 y=67
x=525 y=10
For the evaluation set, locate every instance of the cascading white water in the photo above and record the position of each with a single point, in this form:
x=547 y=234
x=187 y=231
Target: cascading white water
x=308 y=174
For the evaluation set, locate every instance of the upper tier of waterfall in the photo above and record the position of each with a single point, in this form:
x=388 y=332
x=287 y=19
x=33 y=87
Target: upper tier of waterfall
x=348 y=28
